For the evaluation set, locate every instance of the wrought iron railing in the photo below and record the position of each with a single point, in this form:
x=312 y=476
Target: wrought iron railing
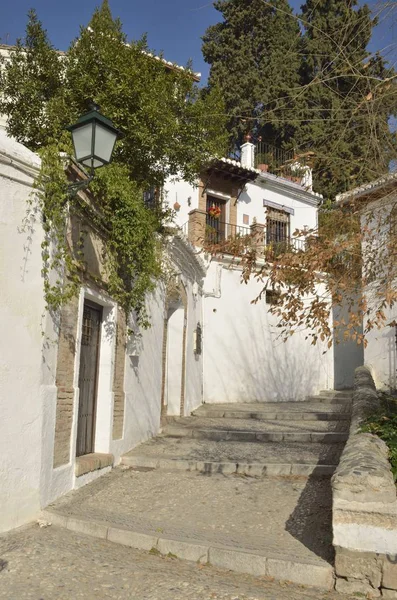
x=276 y=160
x=220 y=233
x=217 y=231
x=278 y=246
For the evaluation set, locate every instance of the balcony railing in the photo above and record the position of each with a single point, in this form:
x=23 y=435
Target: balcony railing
x=229 y=238
x=217 y=232
x=280 y=246
x=269 y=158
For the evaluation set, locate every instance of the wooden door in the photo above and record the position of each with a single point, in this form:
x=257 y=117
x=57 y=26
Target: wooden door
x=89 y=358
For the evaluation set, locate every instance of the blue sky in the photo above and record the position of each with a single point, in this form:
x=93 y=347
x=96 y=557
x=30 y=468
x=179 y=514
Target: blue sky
x=174 y=26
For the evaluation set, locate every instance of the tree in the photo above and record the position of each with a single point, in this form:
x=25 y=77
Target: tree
x=348 y=96
x=169 y=128
x=313 y=88
x=253 y=53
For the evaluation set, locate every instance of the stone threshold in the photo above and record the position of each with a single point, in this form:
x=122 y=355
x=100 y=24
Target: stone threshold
x=282 y=567
x=92 y=462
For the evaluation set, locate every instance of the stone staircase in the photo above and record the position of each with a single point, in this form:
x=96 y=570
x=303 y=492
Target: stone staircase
x=242 y=487
x=283 y=438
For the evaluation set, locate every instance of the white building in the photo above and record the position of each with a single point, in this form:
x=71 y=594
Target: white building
x=244 y=358
x=78 y=392
x=377 y=202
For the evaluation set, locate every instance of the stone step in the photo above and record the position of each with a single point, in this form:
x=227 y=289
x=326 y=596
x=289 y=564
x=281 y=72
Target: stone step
x=234 y=435
x=276 y=411
x=228 y=457
x=241 y=524
x=329 y=399
x=337 y=393
x=260 y=469
x=257 y=425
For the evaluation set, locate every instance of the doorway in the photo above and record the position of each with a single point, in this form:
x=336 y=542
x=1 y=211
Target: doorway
x=88 y=376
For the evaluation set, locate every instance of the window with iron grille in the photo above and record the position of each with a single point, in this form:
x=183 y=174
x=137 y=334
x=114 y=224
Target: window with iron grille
x=272 y=297
x=277 y=226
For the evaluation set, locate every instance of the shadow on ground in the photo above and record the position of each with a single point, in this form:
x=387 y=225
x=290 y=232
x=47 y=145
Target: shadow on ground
x=311 y=520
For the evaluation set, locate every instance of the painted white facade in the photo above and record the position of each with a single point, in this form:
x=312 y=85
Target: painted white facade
x=21 y=309
x=28 y=356
x=378 y=198
x=244 y=358
x=266 y=188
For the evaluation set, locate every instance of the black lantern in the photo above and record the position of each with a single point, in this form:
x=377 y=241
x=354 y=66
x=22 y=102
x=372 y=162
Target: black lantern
x=94 y=137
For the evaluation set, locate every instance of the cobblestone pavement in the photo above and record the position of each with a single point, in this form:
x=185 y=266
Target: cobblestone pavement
x=55 y=564
x=288 y=516
x=259 y=426
x=241 y=452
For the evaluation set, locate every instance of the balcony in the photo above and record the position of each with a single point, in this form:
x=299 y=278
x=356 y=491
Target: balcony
x=277 y=161
x=230 y=238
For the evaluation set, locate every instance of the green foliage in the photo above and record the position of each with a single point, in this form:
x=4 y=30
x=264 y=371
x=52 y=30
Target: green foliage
x=253 y=53
x=306 y=84
x=384 y=425
x=348 y=96
x=169 y=128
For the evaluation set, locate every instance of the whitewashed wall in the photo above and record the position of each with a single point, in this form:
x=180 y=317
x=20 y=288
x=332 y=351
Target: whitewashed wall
x=285 y=194
x=21 y=309
x=267 y=187
x=28 y=358
x=381 y=351
x=380 y=355
x=194 y=362
x=243 y=359
x=187 y=195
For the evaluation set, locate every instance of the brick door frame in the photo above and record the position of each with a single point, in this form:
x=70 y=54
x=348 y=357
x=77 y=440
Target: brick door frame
x=66 y=432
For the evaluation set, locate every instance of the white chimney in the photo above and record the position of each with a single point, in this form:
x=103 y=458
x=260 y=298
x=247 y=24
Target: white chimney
x=248 y=155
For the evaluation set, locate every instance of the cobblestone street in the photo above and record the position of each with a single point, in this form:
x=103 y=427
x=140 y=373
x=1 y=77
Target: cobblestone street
x=50 y=563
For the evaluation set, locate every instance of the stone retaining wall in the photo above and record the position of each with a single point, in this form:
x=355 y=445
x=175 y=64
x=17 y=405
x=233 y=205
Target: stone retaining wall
x=365 y=506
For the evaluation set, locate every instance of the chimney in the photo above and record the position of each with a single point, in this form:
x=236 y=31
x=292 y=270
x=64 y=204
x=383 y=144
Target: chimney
x=248 y=153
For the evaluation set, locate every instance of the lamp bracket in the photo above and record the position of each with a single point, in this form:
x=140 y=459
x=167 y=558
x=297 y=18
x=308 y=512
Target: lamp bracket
x=74 y=188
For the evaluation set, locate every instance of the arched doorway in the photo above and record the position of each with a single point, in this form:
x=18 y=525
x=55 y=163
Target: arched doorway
x=174 y=352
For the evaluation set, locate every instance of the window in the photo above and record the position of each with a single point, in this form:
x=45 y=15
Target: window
x=151 y=197
x=272 y=297
x=277 y=226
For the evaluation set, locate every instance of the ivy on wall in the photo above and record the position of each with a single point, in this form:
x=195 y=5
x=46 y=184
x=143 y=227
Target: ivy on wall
x=170 y=128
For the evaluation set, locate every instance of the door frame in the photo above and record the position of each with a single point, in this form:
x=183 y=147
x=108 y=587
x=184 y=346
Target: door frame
x=99 y=309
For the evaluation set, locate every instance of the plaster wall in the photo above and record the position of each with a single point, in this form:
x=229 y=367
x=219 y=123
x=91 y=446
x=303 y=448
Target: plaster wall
x=243 y=359
x=194 y=362
x=380 y=355
x=186 y=194
x=381 y=351
x=266 y=187
x=263 y=189
x=21 y=309
x=174 y=361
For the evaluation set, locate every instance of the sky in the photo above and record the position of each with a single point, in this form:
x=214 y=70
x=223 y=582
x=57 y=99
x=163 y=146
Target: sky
x=174 y=27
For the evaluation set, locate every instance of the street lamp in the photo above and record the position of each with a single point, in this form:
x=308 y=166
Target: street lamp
x=94 y=137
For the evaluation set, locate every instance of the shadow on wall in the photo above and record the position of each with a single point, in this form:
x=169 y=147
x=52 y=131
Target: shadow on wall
x=259 y=367
x=143 y=382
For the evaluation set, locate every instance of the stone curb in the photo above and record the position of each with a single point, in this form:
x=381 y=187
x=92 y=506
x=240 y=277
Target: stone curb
x=255 y=436
x=229 y=468
x=239 y=560
x=273 y=416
